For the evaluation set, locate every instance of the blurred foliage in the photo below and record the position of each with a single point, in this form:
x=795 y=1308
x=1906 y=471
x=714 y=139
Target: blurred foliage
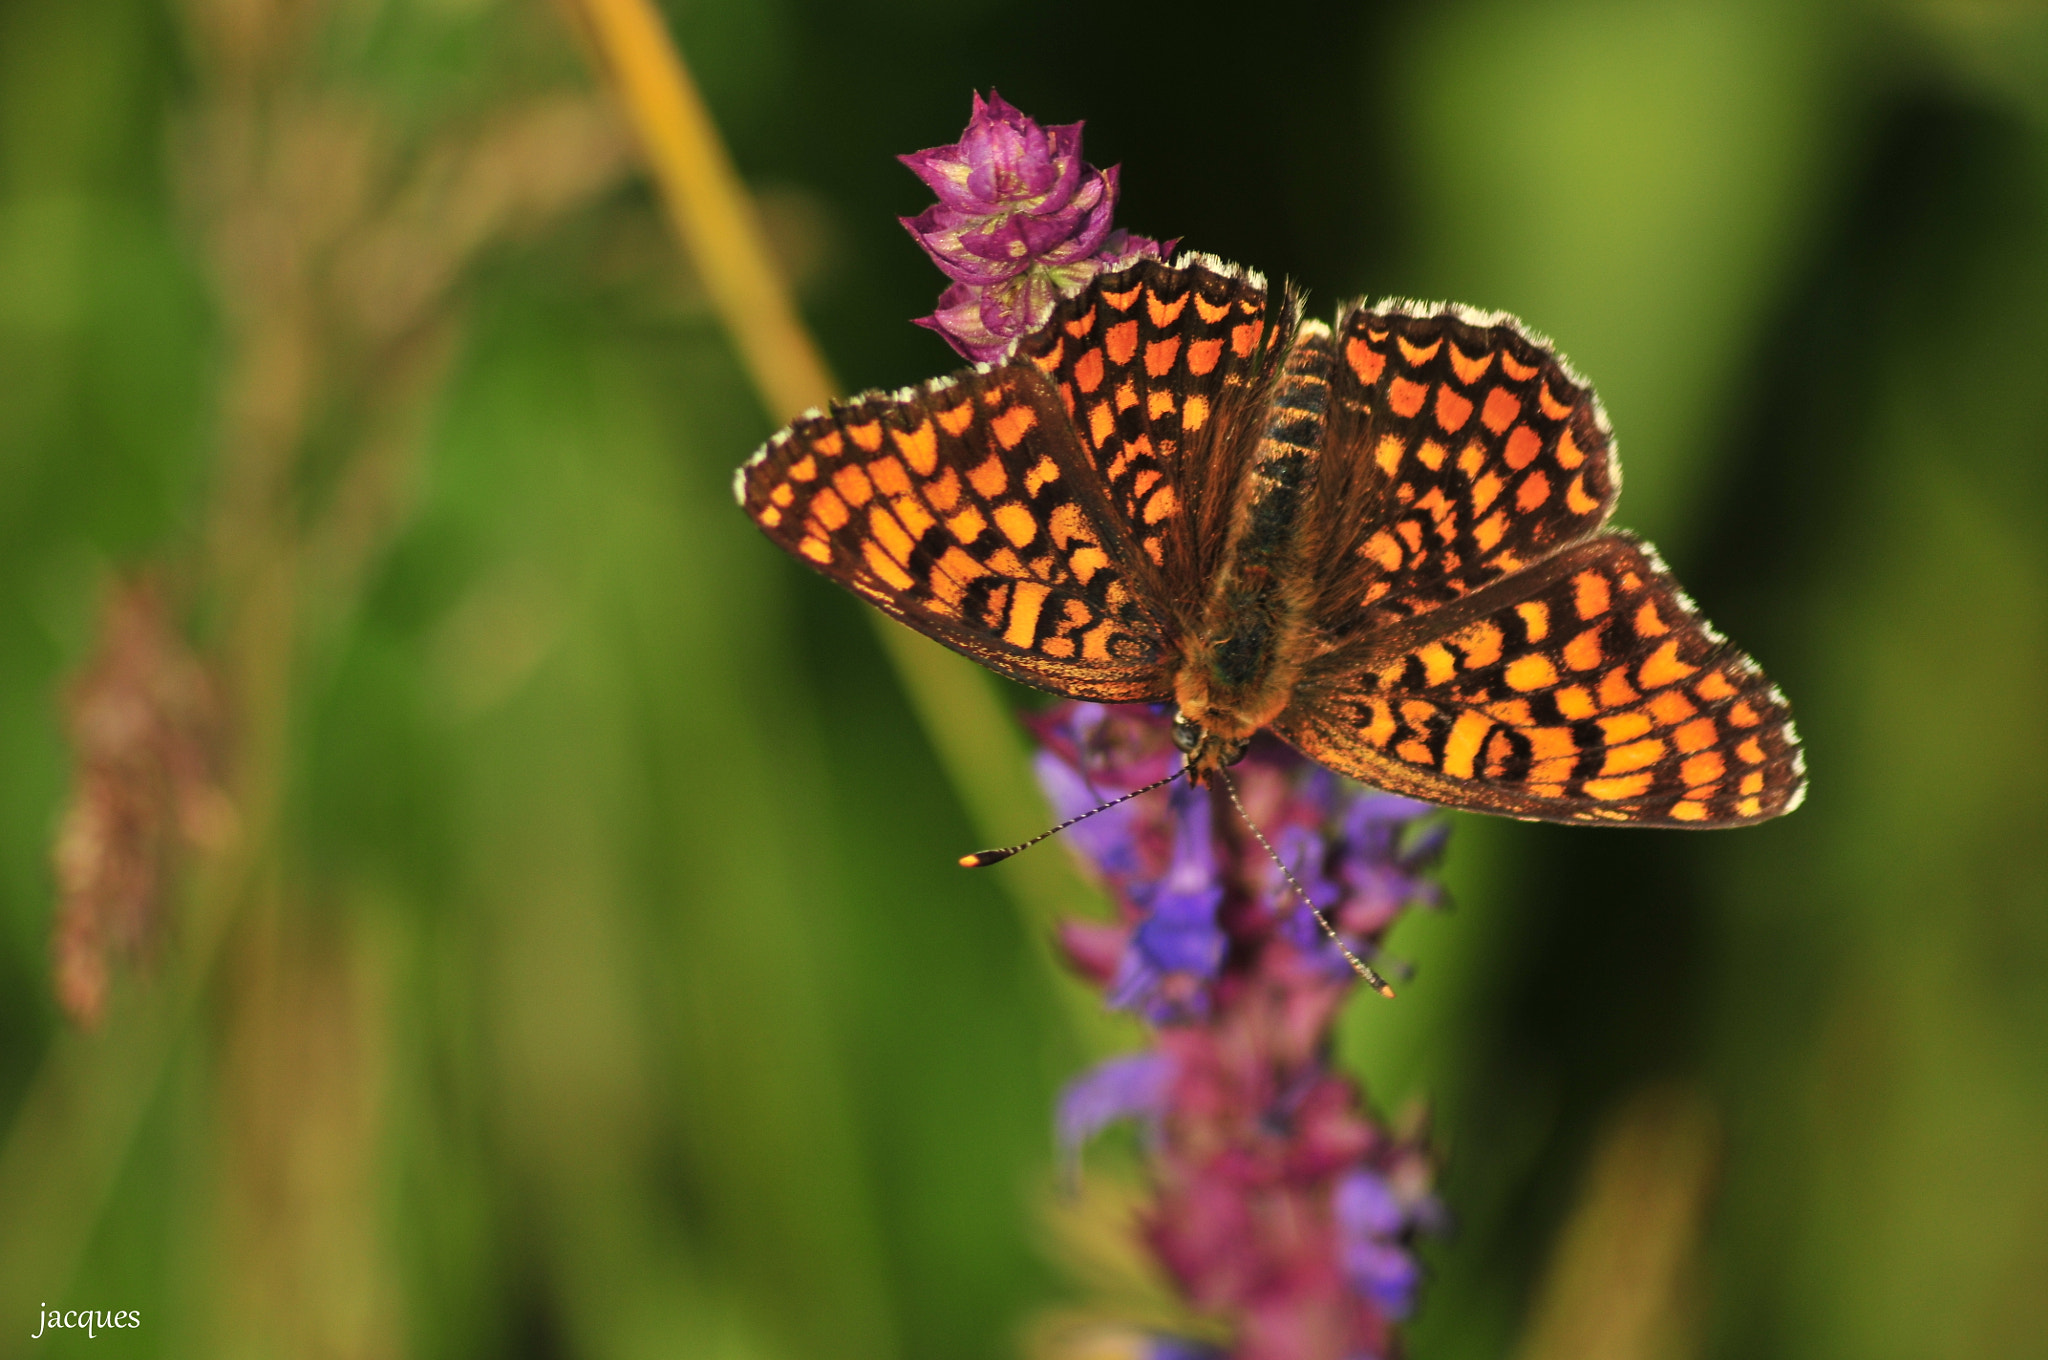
x=598 y=981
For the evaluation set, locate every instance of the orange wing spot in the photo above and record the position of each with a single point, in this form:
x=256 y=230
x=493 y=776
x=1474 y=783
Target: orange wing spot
x=1689 y=812
x=1202 y=356
x=1535 y=619
x=1126 y=396
x=1713 y=685
x=804 y=469
x=1411 y=534
x=1016 y=523
x=921 y=447
x=1164 y=314
x=1418 y=355
x=1418 y=712
x=1553 y=743
x=1155 y=550
x=1095 y=642
x=914 y=517
x=1590 y=595
x=1481 y=645
x=1162 y=504
x=943 y=491
x=1514 y=712
x=1489 y=531
x=1634 y=756
x=1670 y=706
x=783 y=494
x=886 y=567
x=1697 y=735
x=1082 y=324
x=1649 y=623
x=1523 y=446
x=1751 y=752
x=1742 y=715
x=853 y=484
x=1544 y=790
x=989 y=478
x=1122 y=301
x=1471 y=458
x=947 y=589
x=1431 y=454
x=1244 y=339
x=1627 y=786
x=1703 y=768
x=1549 y=404
x=1415 y=753
x=1160 y=354
x=1584 y=650
x=1049 y=361
x=1498 y=752
x=827 y=510
x=817 y=549
x=1022 y=625
x=1576 y=499
x=1569 y=455
x=1750 y=807
x=1146 y=479
x=1438 y=665
x=1042 y=472
x=1623 y=727
x=1534 y=490
x=1505 y=561
x=1468 y=734
x=1066 y=525
x=1209 y=314
x=1484 y=492
x=1500 y=410
x=770 y=517
x=1003 y=562
x=1121 y=342
x=1387 y=453
x=1377 y=591
x=960 y=566
x=1012 y=425
x=1515 y=369
x=1753 y=782
x=1059 y=648
x=1453 y=409
x=1194 y=413
x=832 y=443
x=1406 y=397
x=1159 y=403
x=1575 y=702
x=1088 y=370
x=1530 y=672
x=1086 y=561
x=1615 y=690
x=1663 y=667
x=1380 y=730
x=1365 y=361
x=1382 y=548
x=1468 y=369
x=1101 y=423
x=867 y=436
x=890 y=533
x=890 y=477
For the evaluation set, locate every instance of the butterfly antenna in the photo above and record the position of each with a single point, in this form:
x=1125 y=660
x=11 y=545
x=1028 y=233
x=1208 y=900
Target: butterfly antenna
x=981 y=859
x=1358 y=965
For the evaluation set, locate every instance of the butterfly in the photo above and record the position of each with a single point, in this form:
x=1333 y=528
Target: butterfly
x=1384 y=542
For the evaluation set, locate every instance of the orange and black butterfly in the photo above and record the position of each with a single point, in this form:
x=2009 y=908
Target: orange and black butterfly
x=1386 y=543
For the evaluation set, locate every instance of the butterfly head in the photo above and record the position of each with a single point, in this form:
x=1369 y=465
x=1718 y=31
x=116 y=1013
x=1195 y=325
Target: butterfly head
x=1207 y=751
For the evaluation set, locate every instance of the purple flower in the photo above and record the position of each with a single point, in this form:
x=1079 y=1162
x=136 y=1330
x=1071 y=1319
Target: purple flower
x=1370 y=1223
x=1021 y=219
x=1122 y=1088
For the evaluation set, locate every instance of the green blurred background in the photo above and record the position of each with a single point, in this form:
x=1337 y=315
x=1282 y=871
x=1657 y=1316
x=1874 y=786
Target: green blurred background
x=599 y=983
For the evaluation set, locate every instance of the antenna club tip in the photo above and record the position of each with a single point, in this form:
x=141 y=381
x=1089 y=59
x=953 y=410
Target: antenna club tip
x=981 y=859
x=1384 y=990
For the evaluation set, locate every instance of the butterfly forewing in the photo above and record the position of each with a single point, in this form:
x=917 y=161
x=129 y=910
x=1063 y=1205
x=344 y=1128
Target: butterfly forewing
x=966 y=510
x=1586 y=689
x=1460 y=450
x=1156 y=366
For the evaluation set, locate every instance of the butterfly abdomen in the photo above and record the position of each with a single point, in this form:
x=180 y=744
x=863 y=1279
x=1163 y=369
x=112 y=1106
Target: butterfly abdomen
x=1242 y=667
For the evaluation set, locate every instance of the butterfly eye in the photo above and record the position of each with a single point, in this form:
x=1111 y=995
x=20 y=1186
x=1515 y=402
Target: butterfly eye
x=1186 y=735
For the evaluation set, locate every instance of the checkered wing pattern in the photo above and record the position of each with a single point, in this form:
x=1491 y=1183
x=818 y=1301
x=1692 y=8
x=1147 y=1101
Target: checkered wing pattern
x=1584 y=689
x=1159 y=367
x=1460 y=450
x=968 y=510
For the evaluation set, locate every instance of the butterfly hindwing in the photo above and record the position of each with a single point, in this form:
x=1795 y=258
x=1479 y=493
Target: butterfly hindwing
x=1460 y=450
x=966 y=510
x=1585 y=689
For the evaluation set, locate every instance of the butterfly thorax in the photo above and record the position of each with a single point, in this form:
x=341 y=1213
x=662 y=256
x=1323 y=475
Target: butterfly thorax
x=1239 y=670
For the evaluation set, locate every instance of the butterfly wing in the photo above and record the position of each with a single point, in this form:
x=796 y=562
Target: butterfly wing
x=1583 y=689
x=1460 y=450
x=1159 y=367
x=968 y=510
